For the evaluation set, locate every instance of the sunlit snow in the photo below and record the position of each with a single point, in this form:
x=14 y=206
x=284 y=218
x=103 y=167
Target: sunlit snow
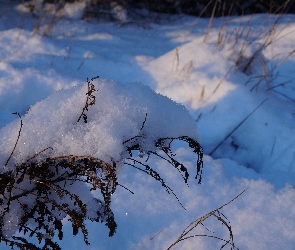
x=257 y=143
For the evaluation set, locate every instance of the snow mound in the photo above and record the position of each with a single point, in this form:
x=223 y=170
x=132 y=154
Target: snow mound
x=120 y=112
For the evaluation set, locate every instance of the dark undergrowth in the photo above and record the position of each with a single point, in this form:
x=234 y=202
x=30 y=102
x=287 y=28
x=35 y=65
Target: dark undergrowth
x=192 y=7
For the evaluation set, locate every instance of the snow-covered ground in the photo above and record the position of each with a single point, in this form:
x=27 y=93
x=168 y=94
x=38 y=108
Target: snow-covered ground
x=235 y=77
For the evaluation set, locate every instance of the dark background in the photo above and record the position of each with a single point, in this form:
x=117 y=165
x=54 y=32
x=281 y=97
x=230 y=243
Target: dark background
x=197 y=7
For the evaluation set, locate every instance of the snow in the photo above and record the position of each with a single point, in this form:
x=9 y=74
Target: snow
x=121 y=112
x=37 y=75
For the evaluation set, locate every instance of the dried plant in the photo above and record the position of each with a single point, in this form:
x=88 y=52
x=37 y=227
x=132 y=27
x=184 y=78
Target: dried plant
x=90 y=100
x=239 y=39
x=43 y=189
x=188 y=233
x=236 y=127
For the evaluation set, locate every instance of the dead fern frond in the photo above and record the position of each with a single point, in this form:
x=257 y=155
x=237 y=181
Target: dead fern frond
x=48 y=183
x=164 y=152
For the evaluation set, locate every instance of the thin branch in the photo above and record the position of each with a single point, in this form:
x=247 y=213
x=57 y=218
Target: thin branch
x=200 y=220
x=236 y=127
x=20 y=129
